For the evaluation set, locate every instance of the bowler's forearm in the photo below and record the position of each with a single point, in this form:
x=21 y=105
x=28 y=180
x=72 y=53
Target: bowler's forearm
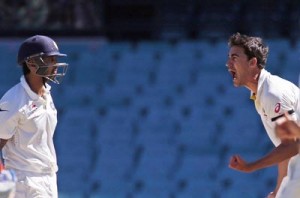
x=283 y=152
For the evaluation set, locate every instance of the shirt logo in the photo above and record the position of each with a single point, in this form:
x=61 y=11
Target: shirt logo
x=33 y=106
x=277 y=108
x=2 y=110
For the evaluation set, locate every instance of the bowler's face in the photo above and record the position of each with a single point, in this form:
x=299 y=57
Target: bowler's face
x=238 y=66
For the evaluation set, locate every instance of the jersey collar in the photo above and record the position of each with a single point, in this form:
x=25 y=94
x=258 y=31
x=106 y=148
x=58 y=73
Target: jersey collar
x=32 y=94
x=262 y=76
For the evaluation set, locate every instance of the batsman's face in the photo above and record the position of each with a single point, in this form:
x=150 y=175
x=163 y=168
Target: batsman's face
x=238 y=66
x=50 y=60
x=47 y=67
x=43 y=66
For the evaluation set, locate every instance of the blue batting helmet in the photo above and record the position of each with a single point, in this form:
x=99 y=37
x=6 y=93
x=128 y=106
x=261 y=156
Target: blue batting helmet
x=38 y=45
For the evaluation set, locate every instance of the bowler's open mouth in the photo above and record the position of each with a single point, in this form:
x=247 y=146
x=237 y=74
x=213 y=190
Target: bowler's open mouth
x=233 y=74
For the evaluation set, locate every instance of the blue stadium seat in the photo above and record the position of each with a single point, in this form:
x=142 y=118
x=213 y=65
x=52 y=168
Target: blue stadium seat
x=75 y=146
x=199 y=188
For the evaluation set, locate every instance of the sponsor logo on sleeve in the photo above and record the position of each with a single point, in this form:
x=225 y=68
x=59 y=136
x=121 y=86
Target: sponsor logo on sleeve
x=277 y=108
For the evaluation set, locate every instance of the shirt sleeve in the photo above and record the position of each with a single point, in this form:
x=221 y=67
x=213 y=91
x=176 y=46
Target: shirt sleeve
x=279 y=103
x=8 y=119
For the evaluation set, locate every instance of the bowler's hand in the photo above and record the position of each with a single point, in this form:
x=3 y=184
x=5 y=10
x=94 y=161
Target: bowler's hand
x=238 y=163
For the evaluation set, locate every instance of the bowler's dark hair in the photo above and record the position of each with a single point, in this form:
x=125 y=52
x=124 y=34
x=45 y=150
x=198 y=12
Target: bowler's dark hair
x=253 y=47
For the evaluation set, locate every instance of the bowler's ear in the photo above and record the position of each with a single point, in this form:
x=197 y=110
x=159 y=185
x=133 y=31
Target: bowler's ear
x=253 y=61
